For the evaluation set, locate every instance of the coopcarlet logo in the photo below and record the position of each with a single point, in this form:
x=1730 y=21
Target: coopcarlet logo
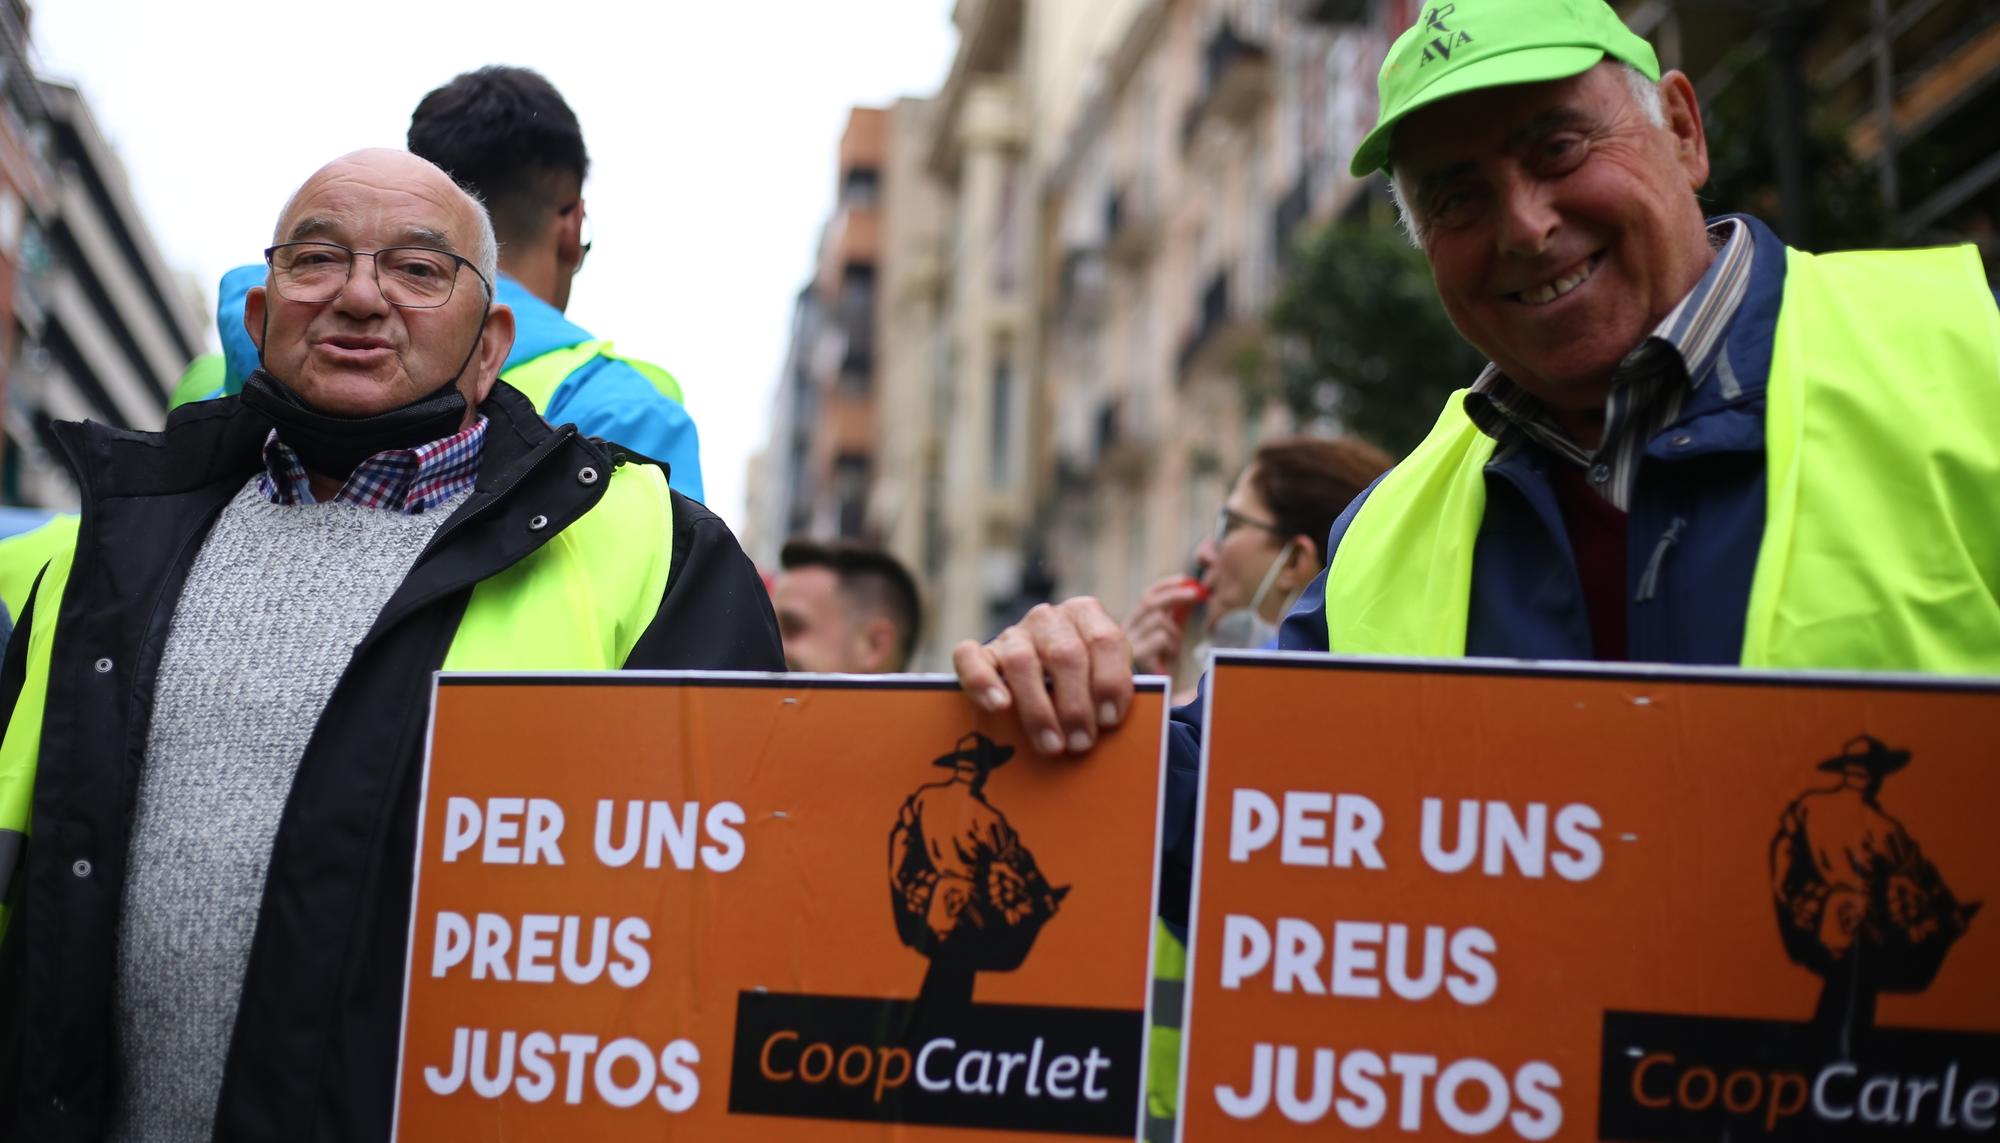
x=966 y=892
x=1858 y=904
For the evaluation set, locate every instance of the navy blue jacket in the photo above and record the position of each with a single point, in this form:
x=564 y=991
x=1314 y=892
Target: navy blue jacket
x=1696 y=519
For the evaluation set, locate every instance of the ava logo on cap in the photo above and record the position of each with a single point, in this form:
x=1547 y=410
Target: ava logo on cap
x=1518 y=42
x=1443 y=37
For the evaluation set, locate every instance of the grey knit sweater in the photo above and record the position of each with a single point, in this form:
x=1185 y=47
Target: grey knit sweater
x=274 y=606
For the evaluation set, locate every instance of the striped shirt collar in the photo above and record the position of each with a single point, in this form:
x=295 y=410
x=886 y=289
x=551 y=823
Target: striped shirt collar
x=1650 y=384
x=410 y=481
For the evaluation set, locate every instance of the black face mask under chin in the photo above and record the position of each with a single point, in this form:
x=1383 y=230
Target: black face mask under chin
x=334 y=446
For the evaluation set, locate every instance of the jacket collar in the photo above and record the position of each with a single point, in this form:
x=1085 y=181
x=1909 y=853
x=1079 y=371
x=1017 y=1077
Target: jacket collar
x=1743 y=364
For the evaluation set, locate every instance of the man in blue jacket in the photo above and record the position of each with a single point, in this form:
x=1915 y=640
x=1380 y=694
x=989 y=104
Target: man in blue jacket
x=1693 y=445
x=507 y=135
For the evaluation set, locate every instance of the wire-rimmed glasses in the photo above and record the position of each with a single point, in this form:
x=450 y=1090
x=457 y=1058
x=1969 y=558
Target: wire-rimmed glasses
x=411 y=277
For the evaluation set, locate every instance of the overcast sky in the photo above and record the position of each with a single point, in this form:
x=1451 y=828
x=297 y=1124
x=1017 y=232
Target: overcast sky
x=712 y=130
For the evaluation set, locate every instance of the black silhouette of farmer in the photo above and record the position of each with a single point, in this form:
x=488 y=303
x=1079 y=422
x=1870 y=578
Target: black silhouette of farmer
x=965 y=891
x=1857 y=902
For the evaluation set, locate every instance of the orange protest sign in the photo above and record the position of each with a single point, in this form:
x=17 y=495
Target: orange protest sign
x=1480 y=901
x=753 y=907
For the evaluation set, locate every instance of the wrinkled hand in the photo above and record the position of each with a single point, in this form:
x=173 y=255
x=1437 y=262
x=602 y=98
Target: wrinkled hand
x=1066 y=669
x=1158 y=624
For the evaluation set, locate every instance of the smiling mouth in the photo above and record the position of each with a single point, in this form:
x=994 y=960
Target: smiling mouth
x=1551 y=290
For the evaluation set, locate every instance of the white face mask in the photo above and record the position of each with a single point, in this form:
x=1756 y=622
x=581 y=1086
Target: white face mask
x=1246 y=627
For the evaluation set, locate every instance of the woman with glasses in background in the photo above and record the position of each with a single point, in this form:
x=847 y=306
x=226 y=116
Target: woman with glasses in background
x=1268 y=544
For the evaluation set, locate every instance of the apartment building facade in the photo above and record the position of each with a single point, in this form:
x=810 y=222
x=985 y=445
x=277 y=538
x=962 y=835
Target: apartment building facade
x=1215 y=135
x=102 y=329
x=1069 y=247
x=906 y=508
x=814 y=473
x=963 y=446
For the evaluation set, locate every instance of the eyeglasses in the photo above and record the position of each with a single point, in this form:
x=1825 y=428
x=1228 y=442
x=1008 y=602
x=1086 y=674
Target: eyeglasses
x=410 y=277
x=1227 y=520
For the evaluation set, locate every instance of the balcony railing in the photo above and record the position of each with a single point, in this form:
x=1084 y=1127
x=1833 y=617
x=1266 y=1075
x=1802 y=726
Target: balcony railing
x=1126 y=434
x=1222 y=327
x=1236 y=79
x=1211 y=313
x=1131 y=222
x=1083 y=287
x=857 y=362
x=1333 y=12
x=857 y=350
x=856 y=309
x=1288 y=216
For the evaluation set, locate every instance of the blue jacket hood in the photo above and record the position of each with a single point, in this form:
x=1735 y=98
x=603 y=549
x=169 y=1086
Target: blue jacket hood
x=239 y=353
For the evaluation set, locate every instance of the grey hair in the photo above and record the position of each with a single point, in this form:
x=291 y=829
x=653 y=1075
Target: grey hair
x=485 y=246
x=1645 y=93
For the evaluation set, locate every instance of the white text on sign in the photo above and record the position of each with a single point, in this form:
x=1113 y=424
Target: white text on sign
x=1363 y=959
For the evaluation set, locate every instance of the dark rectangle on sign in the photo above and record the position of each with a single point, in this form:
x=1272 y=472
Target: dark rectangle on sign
x=878 y=1066
x=1667 y=1077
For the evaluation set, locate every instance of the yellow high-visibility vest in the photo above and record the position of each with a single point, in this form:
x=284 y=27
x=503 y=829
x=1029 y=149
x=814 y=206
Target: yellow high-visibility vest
x=1881 y=547
x=538 y=378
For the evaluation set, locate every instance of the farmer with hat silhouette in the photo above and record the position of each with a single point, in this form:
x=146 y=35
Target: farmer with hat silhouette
x=1857 y=902
x=965 y=891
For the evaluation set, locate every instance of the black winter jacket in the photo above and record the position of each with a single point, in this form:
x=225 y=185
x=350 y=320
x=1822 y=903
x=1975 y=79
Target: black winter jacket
x=313 y=1056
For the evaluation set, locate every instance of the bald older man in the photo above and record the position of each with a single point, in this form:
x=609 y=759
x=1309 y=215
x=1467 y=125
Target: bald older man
x=1692 y=445
x=221 y=691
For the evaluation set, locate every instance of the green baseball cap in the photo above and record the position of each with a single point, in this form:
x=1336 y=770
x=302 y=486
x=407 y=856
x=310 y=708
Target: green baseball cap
x=1458 y=46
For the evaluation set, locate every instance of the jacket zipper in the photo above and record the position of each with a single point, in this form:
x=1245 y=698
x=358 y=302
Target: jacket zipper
x=1649 y=583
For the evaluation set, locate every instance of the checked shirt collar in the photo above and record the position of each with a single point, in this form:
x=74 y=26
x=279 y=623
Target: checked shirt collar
x=410 y=481
x=1647 y=389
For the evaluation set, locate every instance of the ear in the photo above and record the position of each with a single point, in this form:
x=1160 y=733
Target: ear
x=253 y=317
x=1690 y=138
x=877 y=639
x=569 y=237
x=1301 y=567
x=496 y=339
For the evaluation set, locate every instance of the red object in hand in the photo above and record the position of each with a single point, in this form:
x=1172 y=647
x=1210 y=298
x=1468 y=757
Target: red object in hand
x=1180 y=610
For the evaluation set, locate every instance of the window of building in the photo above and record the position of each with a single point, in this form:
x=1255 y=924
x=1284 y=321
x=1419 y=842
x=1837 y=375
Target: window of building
x=850 y=491
x=857 y=324
x=862 y=187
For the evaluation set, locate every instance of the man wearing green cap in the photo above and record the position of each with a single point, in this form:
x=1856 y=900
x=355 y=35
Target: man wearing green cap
x=1692 y=444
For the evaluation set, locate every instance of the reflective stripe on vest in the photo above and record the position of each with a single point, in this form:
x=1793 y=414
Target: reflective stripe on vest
x=21 y=746
x=1163 y=1070
x=1405 y=588
x=23 y=557
x=577 y=603
x=205 y=377
x=1880 y=548
x=538 y=378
